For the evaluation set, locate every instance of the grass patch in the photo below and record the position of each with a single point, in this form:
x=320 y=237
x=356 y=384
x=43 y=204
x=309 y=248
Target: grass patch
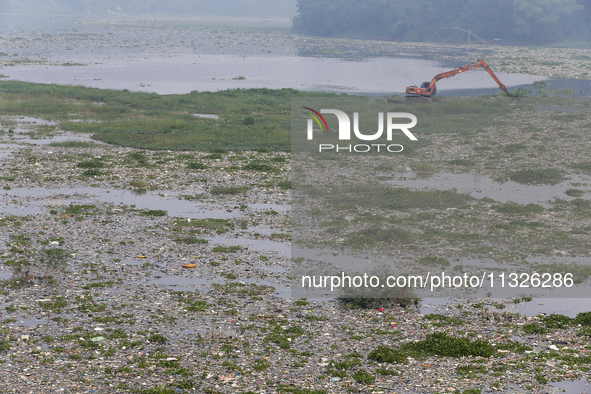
x=470 y=369
x=549 y=176
x=92 y=164
x=190 y=240
x=462 y=162
x=139 y=184
x=285 y=185
x=152 y=121
x=196 y=165
x=513 y=209
x=362 y=376
x=580 y=273
x=534 y=328
x=514 y=148
x=574 y=193
x=584 y=165
x=368 y=297
x=261 y=365
x=380 y=196
x=258 y=167
x=430 y=261
x=238 y=288
x=443 y=320
x=384 y=354
x=218 y=225
x=229 y=190
x=374 y=236
x=75 y=209
x=226 y=249
x=73 y=144
x=154 y=212
x=438 y=344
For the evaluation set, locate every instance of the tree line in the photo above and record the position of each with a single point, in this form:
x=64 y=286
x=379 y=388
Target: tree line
x=537 y=22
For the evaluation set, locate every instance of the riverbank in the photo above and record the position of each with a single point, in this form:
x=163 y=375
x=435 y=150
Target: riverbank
x=126 y=316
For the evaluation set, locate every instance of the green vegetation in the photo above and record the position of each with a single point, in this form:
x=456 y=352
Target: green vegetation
x=139 y=184
x=368 y=297
x=231 y=190
x=526 y=22
x=196 y=165
x=362 y=376
x=533 y=328
x=94 y=163
x=384 y=354
x=42 y=264
x=372 y=236
x=462 y=162
x=550 y=176
x=154 y=212
x=261 y=365
x=379 y=196
x=514 y=148
x=513 y=209
x=574 y=192
x=585 y=166
x=152 y=121
x=73 y=144
x=191 y=240
x=470 y=369
x=239 y=288
x=433 y=261
x=443 y=345
x=218 y=225
x=157 y=338
x=443 y=320
x=226 y=249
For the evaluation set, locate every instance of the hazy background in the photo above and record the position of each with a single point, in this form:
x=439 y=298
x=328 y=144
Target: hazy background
x=539 y=22
x=235 y=8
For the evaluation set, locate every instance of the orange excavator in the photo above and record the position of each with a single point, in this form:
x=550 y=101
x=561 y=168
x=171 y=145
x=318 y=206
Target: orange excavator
x=428 y=89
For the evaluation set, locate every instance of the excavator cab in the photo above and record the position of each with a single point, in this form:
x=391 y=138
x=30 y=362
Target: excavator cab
x=426 y=86
x=423 y=90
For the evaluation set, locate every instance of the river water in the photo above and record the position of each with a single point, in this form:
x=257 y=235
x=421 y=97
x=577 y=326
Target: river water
x=168 y=59
x=185 y=73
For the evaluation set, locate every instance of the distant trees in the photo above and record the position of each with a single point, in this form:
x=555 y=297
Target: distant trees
x=517 y=21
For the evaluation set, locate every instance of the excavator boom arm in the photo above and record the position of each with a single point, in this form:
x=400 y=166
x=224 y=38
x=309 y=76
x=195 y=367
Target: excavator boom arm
x=447 y=74
x=492 y=74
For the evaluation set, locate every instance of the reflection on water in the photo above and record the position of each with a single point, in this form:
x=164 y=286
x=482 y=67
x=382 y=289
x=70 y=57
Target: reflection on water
x=4 y=275
x=40 y=199
x=563 y=306
x=44 y=140
x=479 y=186
x=537 y=306
x=260 y=245
x=573 y=386
x=185 y=73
